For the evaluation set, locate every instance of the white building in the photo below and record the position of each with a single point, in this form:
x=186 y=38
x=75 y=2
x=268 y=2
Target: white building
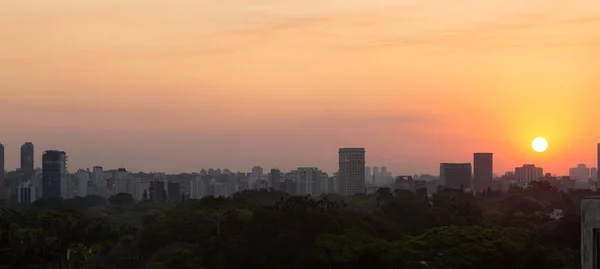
x=198 y=188
x=308 y=181
x=26 y=192
x=528 y=173
x=83 y=178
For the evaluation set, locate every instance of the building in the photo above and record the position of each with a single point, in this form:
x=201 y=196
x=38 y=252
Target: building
x=581 y=172
x=368 y=173
x=483 y=171
x=27 y=161
x=173 y=192
x=594 y=173
x=456 y=175
x=598 y=160
x=275 y=179
x=308 y=181
x=404 y=183
x=26 y=192
x=54 y=174
x=198 y=189
x=257 y=170
x=142 y=185
x=590 y=232
x=83 y=178
x=528 y=173
x=3 y=187
x=157 y=191
x=351 y=173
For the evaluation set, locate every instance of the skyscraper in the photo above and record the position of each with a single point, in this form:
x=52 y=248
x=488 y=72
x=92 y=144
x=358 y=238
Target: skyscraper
x=351 y=171
x=2 y=180
x=27 y=161
x=456 y=175
x=483 y=171
x=54 y=173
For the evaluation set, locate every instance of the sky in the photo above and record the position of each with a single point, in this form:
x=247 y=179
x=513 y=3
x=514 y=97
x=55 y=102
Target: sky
x=177 y=86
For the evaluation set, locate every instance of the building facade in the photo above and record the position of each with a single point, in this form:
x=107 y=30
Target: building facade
x=27 y=160
x=351 y=171
x=275 y=179
x=54 y=174
x=483 y=171
x=581 y=172
x=456 y=175
x=528 y=173
x=3 y=185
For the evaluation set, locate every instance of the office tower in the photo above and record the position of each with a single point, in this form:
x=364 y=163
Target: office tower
x=27 y=161
x=351 y=171
x=3 y=190
x=594 y=173
x=581 y=172
x=275 y=179
x=456 y=175
x=483 y=171
x=54 y=174
x=528 y=173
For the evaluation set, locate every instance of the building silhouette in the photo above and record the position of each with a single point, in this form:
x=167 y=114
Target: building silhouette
x=581 y=172
x=483 y=171
x=594 y=173
x=351 y=171
x=598 y=164
x=528 y=173
x=54 y=173
x=275 y=179
x=456 y=175
x=3 y=187
x=27 y=161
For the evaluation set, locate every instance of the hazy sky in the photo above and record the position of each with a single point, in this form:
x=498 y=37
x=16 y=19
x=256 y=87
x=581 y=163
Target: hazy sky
x=181 y=85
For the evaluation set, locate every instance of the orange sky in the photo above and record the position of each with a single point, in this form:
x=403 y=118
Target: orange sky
x=180 y=85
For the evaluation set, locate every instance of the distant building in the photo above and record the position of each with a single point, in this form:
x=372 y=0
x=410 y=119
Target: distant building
x=581 y=172
x=404 y=183
x=257 y=170
x=27 y=161
x=3 y=183
x=83 y=178
x=351 y=171
x=157 y=191
x=275 y=179
x=173 y=192
x=54 y=174
x=26 y=192
x=456 y=175
x=368 y=173
x=527 y=173
x=483 y=171
x=198 y=188
x=598 y=160
x=594 y=173
x=308 y=181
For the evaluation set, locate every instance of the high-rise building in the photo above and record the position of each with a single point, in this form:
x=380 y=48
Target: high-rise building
x=581 y=172
x=351 y=171
x=375 y=171
x=483 y=171
x=594 y=173
x=27 y=161
x=528 y=173
x=308 y=181
x=54 y=173
x=257 y=170
x=3 y=190
x=275 y=179
x=83 y=178
x=456 y=175
x=598 y=164
x=368 y=174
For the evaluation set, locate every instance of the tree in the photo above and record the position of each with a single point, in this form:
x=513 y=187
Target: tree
x=145 y=195
x=121 y=199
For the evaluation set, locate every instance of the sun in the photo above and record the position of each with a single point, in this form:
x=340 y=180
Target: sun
x=539 y=144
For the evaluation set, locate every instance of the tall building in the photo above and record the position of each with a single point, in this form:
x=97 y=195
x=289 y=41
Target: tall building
x=83 y=178
x=483 y=171
x=594 y=173
x=581 y=172
x=308 y=181
x=456 y=175
x=598 y=164
x=3 y=190
x=368 y=174
x=54 y=173
x=257 y=170
x=528 y=173
x=275 y=179
x=27 y=161
x=351 y=171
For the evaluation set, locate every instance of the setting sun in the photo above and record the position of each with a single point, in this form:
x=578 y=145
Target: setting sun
x=539 y=144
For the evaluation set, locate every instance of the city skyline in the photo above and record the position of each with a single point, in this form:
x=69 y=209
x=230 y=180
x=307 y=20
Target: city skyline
x=154 y=86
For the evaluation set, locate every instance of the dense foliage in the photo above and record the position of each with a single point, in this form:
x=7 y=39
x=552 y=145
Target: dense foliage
x=269 y=229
